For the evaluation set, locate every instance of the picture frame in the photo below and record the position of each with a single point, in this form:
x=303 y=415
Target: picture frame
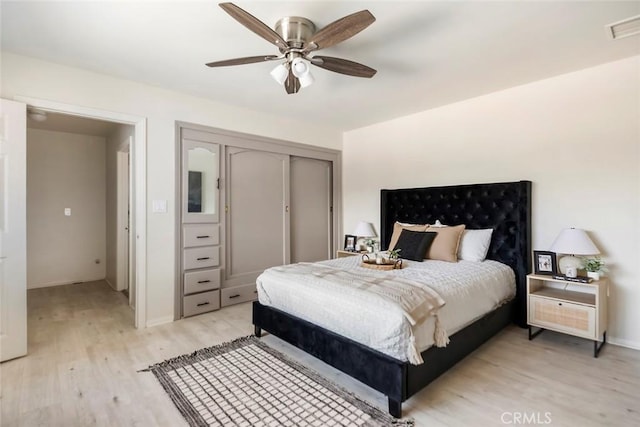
x=350 y=242
x=545 y=263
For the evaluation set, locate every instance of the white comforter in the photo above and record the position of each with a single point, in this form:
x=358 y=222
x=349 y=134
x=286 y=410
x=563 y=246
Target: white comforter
x=469 y=289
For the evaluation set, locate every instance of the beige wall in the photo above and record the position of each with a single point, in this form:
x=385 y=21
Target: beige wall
x=576 y=136
x=65 y=170
x=117 y=141
x=23 y=76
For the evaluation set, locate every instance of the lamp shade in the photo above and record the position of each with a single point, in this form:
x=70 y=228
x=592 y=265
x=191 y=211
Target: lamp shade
x=280 y=73
x=365 y=229
x=574 y=241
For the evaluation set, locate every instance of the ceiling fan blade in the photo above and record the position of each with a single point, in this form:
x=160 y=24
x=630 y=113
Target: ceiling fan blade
x=292 y=84
x=241 y=61
x=254 y=24
x=340 y=30
x=343 y=66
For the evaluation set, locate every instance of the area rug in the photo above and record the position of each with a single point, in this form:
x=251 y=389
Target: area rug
x=247 y=383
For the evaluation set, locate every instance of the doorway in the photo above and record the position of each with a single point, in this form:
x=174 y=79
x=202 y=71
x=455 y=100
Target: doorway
x=138 y=193
x=78 y=198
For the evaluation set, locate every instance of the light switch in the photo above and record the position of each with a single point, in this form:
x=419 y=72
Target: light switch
x=67 y=211
x=159 y=206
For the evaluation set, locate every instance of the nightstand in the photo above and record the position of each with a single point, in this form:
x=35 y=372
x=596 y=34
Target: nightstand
x=343 y=254
x=578 y=309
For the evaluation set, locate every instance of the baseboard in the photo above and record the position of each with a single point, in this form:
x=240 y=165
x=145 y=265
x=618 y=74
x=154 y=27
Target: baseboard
x=624 y=343
x=62 y=282
x=159 y=321
x=110 y=284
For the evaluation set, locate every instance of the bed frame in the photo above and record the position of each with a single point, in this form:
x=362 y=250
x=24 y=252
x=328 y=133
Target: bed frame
x=505 y=207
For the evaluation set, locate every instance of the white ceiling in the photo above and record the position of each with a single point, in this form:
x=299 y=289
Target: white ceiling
x=427 y=53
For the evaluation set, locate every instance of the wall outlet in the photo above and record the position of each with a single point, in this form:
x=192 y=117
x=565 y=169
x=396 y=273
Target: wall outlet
x=67 y=211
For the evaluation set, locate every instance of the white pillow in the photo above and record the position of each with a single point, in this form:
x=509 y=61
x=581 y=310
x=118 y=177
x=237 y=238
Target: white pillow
x=474 y=244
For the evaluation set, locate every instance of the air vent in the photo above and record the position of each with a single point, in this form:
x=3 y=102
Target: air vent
x=625 y=28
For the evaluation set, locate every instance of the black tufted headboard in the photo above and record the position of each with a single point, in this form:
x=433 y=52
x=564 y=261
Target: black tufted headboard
x=505 y=207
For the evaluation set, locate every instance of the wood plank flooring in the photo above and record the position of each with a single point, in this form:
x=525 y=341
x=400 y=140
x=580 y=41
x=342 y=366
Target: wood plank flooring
x=84 y=355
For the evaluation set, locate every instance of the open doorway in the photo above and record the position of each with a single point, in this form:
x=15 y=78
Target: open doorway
x=137 y=197
x=78 y=203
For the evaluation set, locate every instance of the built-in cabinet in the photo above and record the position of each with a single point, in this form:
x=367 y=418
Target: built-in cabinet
x=248 y=204
x=200 y=227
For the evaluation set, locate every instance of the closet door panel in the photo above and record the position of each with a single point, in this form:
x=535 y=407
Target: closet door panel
x=257 y=223
x=311 y=197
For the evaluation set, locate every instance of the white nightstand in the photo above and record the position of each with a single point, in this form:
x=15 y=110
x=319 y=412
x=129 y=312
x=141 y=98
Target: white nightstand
x=569 y=307
x=343 y=254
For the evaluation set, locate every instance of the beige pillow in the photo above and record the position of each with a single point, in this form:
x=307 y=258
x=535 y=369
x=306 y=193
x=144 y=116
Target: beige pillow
x=445 y=245
x=397 y=229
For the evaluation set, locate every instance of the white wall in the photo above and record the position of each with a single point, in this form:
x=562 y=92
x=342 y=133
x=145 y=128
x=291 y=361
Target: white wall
x=117 y=141
x=24 y=76
x=65 y=170
x=576 y=136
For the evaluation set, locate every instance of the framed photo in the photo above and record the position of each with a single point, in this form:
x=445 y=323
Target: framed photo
x=544 y=262
x=350 y=243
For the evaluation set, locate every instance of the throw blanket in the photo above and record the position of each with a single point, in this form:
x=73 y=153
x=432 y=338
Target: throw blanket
x=417 y=301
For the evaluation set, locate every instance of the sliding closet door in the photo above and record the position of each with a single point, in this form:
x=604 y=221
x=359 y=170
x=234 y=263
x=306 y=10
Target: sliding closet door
x=257 y=222
x=311 y=207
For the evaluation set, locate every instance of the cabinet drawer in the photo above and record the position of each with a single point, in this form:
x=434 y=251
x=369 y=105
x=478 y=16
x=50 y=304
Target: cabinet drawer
x=238 y=294
x=200 y=235
x=200 y=281
x=200 y=303
x=208 y=256
x=575 y=319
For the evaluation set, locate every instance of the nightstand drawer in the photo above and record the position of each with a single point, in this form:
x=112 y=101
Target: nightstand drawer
x=576 y=319
x=208 y=256
x=201 y=303
x=200 y=281
x=200 y=235
x=238 y=294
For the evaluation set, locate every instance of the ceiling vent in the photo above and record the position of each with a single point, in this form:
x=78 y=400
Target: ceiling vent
x=625 y=28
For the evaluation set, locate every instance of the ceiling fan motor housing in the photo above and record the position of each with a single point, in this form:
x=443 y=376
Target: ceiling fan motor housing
x=295 y=30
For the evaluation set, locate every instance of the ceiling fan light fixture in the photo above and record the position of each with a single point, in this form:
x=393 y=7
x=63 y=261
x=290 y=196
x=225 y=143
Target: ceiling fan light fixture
x=306 y=79
x=300 y=67
x=280 y=74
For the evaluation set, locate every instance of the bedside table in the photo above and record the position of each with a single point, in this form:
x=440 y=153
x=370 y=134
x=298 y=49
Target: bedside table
x=573 y=308
x=343 y=254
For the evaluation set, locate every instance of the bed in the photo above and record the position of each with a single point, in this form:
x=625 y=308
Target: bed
x=505 y=207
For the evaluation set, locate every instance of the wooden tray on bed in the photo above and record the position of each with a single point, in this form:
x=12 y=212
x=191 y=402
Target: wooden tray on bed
x=387 y=264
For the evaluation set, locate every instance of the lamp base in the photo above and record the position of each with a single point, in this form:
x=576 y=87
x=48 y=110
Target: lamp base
x=570 y=261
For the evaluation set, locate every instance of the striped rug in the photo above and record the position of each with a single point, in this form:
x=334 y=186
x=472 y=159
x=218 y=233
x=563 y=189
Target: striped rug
x=247 y=383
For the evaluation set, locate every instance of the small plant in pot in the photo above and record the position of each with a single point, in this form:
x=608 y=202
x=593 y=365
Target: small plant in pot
x=594 y=267
x=394 y=254
x=370 y=245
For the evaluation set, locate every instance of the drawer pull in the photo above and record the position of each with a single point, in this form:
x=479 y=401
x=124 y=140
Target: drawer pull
x=202 y=237
x=559 y=303
x=204 y=281
x=202 y=303
x=234 y=296
x=203 y=258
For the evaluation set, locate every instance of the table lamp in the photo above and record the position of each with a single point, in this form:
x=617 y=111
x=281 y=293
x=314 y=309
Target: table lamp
x=572 y=242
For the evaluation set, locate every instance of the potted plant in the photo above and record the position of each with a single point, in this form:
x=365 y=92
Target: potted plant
x=394 y=254
x=594 y=267
x=370 y=245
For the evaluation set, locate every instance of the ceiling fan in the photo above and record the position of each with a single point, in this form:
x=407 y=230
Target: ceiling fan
x=297 y=38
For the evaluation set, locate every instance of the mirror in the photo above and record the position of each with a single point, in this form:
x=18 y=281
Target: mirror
x=202 y=181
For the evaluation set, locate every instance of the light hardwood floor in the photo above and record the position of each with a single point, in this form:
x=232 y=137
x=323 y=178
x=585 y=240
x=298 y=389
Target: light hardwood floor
x=84 y=355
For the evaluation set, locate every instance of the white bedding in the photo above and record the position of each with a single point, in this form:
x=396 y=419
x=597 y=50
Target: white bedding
x=469 y=289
